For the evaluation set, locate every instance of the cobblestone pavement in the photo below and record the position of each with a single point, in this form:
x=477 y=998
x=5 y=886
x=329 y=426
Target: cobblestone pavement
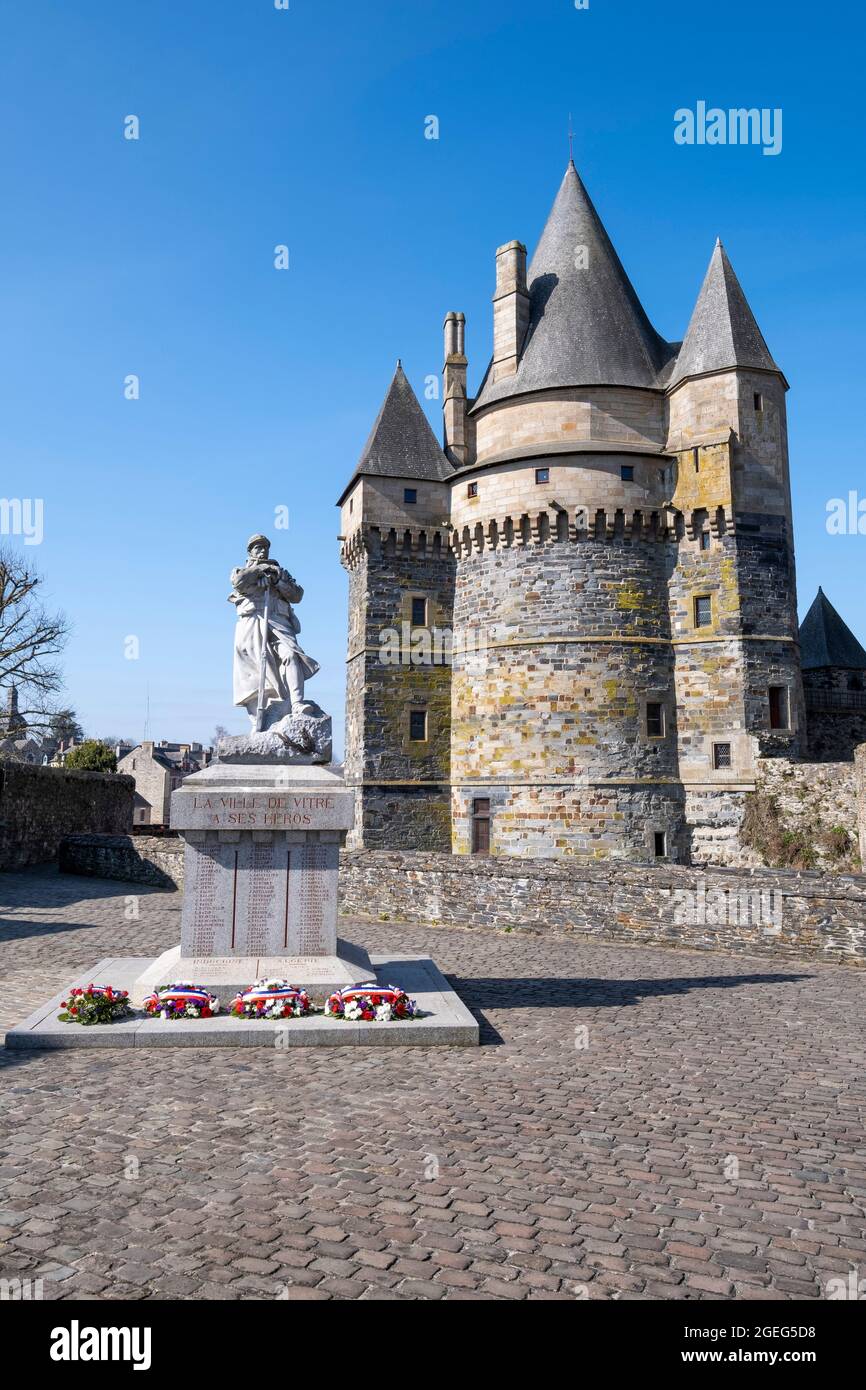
x=706 y=1143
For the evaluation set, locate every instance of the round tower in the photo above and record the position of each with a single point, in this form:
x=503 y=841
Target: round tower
x=615 y=640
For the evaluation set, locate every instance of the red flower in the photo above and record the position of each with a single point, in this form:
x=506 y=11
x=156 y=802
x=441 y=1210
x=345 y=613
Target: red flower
x=73 y=1011
x=206 y=1013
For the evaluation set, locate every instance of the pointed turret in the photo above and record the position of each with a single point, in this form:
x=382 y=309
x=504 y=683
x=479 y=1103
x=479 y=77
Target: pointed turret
x=827 y=640
x=722 y=333
x=401 y=442
x=586 y=326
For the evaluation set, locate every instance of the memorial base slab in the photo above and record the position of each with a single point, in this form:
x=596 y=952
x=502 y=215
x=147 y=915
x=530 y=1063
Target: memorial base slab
x=446 y=1021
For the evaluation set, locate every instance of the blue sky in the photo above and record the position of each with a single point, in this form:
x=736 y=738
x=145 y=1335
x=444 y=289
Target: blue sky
x=306 y=127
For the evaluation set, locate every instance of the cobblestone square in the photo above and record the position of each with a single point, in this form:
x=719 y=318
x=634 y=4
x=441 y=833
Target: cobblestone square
x=637 y=1124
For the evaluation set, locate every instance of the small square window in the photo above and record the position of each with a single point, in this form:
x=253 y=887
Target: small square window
x=418 y=725
x=542 y=475
x=778 y=696
x=703 y=611
x=410 y=494
x=705 y=540
x=655 y=719
x=660 y=844
x=626 y=472
x=419 y=612
x=759 y=401
x=472 y=490
x=721 y=755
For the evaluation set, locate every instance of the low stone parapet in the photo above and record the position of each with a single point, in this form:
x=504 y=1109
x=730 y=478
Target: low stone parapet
x=153 y=859
x=766 y=912
x=763 y=912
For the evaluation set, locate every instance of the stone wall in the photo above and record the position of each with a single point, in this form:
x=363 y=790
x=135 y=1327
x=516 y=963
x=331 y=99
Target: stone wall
x=754 y=912
x=860 y=771
x=760 y=912
x=834 y=733
x=153 y=859
x=41 y=805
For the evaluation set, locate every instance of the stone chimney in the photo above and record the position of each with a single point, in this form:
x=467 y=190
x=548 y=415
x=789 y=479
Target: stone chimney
x=454 y=389
x=510 y=309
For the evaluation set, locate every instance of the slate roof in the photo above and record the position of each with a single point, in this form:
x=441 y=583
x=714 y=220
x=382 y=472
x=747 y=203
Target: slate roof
x=722 y=332
x=401 y=442
x=827 y=640
x=587 y=327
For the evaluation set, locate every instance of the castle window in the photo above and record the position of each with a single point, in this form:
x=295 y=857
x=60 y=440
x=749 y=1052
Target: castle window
x=472 y=490
x=410 y=494
x=705 y=540
x=481 y=825
x=542 y=475
x=759 y=401
x=721 y=755
x=660 y=844
x=703 y=611
x=351 y=504
x=655 y=719
x=626 y=472
x=419 y=612
x=778 y=697
x=418 y=725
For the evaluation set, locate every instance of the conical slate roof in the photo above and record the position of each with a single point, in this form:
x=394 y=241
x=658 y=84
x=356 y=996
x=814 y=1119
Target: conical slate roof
x=401 y=442
x=586 y=326
x=722 y=332
x=827 y=640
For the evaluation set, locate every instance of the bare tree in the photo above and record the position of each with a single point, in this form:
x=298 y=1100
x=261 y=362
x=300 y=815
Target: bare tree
x=31 y=639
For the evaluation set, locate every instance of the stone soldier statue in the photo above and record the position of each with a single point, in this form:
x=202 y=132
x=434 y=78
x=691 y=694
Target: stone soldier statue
x=263 y=594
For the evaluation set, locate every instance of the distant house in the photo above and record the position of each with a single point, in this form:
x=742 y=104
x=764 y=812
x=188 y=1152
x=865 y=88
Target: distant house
x=158 y=768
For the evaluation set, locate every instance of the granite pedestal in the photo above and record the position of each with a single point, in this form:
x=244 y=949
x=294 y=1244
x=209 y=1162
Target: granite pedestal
x=261 y=862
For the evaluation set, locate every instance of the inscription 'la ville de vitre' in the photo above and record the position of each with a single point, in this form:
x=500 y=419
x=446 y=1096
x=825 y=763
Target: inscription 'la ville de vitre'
x=267 y=811
x=261 y=803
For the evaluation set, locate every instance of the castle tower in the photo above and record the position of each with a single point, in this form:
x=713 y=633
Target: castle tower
x=394 y=535
x=621 y=562
x=567 y=732
x=738 y=679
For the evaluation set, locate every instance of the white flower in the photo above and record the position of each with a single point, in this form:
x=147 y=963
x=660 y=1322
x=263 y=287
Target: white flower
x=383 y=1013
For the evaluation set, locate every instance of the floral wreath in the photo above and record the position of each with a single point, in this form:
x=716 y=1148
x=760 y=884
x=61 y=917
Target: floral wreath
x=368 y=1003
x=182 y=1000
x=271 y=999
x=96 y=1004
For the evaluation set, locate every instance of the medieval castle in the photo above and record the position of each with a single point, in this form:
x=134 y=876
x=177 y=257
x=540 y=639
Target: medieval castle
x=606 y=535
